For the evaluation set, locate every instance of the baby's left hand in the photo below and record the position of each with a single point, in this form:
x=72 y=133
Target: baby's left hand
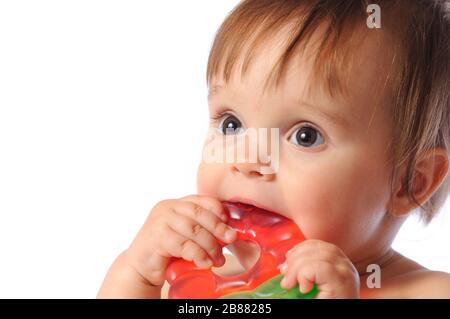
x=316 y=261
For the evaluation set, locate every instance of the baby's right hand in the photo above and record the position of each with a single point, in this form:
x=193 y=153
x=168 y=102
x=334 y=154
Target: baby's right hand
x=188 y=228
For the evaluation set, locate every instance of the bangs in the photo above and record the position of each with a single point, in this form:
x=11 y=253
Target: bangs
x=252 y=23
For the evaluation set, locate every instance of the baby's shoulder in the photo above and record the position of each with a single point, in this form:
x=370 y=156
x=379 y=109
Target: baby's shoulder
x=404 y=278
x=428 y=284
x=408 y=279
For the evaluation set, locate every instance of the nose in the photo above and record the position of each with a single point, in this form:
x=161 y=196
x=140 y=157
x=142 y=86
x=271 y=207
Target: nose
x=252 y=170
x=257 y=163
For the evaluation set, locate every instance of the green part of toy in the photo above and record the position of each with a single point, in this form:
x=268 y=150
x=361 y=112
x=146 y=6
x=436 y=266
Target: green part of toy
x=271 y=289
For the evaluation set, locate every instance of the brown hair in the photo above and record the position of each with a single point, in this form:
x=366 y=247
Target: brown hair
x=420 y=31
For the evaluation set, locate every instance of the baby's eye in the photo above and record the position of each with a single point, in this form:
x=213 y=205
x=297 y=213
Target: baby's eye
x=306 y=136
x=230 y=125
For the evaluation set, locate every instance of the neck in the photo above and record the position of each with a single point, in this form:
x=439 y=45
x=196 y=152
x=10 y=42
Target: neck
x=384 y=255
x=383 y=258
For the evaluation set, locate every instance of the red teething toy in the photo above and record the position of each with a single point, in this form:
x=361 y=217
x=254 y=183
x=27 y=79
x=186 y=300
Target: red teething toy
x=273 y=233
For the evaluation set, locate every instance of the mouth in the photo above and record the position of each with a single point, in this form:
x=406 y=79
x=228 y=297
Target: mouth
x=250 y=202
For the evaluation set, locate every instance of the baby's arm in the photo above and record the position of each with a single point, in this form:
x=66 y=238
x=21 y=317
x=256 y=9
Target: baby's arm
x=122 y=281
x=187 y=228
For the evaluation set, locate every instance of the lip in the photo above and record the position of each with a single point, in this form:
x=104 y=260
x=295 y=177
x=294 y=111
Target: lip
x=250 y=202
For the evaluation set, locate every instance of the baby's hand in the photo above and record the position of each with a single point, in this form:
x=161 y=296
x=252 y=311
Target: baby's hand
x=188 y=228
x=315 y=261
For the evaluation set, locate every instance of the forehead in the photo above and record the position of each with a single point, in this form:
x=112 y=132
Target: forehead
x=365 y=76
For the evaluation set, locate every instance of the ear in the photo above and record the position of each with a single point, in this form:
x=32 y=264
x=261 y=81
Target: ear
x=430 y=171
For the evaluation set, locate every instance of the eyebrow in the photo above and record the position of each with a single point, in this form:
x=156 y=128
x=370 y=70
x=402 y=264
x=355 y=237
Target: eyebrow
x=332 y=117
x=213 y=90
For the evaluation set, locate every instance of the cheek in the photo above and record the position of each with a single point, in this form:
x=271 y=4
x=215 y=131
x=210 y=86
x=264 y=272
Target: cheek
x=337 y=199
x=209 y=177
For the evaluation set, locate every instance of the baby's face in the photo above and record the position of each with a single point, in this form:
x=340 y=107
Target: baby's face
x=333 y=168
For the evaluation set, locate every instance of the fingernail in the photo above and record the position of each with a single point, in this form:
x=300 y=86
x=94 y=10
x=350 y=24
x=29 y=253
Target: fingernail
x=283 y=268
x=229 y=235
x=303 y=290
x=219 y=260
x=208 y=263
x=283 y=282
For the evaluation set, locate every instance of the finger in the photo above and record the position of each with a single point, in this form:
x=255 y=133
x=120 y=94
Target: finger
x=288 y=282
x=338 y=268
x=179 y=246
x=292 y=277
x=320 y=272
x=305 y=285
x=302 y=261
x=325 y=295
x=315 y=247
x=190 y=250
x=191 y=229
x=208 y=220
x=209 y=203
x=337 y=278
x=306 y=277
x=311 y=254
x=314 y=271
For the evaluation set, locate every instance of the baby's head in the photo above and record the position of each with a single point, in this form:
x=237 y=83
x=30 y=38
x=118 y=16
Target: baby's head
x=362 y=115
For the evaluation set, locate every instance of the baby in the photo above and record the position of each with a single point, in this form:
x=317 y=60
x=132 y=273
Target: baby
x=361 y=113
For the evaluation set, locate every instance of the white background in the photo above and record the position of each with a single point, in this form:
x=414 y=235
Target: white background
x=103 y=112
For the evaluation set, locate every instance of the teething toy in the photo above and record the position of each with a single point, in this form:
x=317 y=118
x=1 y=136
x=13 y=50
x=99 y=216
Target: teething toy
x=273 y=233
